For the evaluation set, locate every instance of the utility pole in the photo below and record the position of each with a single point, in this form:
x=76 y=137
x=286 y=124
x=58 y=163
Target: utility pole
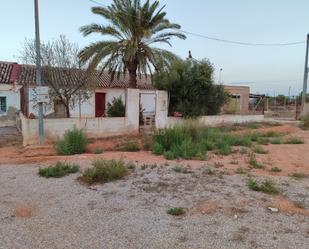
x=38 y=69
x=304 y=95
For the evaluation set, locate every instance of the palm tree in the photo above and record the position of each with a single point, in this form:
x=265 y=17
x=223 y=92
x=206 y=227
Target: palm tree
x=134 y=28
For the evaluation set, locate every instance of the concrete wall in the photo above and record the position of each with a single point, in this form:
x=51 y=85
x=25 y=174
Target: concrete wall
x=218 y=120
x=93 y=127
x=244 y=93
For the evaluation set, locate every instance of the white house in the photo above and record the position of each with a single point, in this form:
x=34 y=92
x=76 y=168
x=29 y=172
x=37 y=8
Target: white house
x=102 y=92
x=9 y=92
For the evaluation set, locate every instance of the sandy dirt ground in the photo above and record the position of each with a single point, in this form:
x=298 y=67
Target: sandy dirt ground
x=221 y=211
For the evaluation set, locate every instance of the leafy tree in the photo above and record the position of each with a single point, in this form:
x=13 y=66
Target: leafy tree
x=191 y=87
x=133 y=27
x=116 y=108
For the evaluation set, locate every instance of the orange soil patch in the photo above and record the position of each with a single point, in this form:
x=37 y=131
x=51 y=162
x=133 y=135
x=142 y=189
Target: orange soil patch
x=286 y=206
x=289 y=158
x=25 y=210
x=206 y=207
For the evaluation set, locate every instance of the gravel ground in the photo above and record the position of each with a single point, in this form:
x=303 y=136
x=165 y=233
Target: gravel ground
x=221 y=212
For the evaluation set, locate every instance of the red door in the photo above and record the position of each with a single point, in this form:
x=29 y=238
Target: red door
x=100 y=102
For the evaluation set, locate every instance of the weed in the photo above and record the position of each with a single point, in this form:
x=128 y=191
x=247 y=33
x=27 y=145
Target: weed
x=243 y=151
x=148 y=143
x=177 y=211
x=267 y=186
x=73 y=142
x=294 y=140
x=276 y=140
x=259 y=150
x=131 y=166
x=234 y=162
x=98 y=151
x=253 y=162
x=169 y=155
x=208 y=171
x=300 y=204
x=105 y=171
x=263 y=140
x=225 y=149
x=181 y=169
x=218 y=165
x=241 y=171
x=304 y=122
x=144 y=166
x=130 y=146
x=157 y=149
x=59 y=170
x=297 y=175
x=276 y=170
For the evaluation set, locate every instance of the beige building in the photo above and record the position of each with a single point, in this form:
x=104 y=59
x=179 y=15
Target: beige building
x=240 y=100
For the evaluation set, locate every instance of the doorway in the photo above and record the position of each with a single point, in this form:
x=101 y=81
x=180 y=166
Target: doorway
x=100 y=105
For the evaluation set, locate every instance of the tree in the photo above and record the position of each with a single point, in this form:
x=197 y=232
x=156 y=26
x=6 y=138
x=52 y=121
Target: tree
x=191 y=87
x=116 y=108
x=134 y=28
x=61 y=69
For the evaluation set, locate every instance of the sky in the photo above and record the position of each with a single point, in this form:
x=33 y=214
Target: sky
x=271 y=70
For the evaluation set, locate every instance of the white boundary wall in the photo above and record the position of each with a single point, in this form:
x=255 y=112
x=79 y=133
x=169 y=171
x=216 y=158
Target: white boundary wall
x=218 y=120
x=93 y=127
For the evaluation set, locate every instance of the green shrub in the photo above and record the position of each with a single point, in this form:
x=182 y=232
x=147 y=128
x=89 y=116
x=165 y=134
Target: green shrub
x=105 y=171
x=259 y=150
x=267 y=186
x=157 y=149
x=224 y=148
x=59 y=170
x=304 y=122
x=181 y=169
x=241 y=171
x=298 y=175
x=130 y=146
x=148 y=143
x=178 y=211
x=73 y=142
x=263 y=140
x=253 y=162
x=276 y=140
x=116 y=108
x=294 y=140
x=169 y=155
x=98 y=151
x=276 y=170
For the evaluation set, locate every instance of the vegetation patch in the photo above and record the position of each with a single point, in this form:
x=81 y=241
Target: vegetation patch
x=98 y=151
x=176 y=211
x=259 y=150
x=241 y=171
x=266 y=186
x=116 y=108
x=59 y=170
x=304 y=123
x=73 y=142
x=298 y=175
x=254 y=164
x=181 y=169
x=275 y=170
x=105 y=171
x=294 y=140
x=276 y=140
x=130 y=146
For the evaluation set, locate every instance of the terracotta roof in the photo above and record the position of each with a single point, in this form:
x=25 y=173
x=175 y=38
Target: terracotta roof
x=64 y=77
x=5 y=72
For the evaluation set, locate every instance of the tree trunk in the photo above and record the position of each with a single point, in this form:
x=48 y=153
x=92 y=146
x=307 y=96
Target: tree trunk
x=67 y=111
x=133 y=75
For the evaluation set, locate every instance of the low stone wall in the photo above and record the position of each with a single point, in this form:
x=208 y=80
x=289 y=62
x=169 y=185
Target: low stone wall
x=219 y=120
x=93 y=127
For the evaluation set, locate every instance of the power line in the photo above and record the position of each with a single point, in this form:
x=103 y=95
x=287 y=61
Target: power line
x=225 y=40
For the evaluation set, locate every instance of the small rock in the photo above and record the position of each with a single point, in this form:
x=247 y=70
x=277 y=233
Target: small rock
x=273 y=210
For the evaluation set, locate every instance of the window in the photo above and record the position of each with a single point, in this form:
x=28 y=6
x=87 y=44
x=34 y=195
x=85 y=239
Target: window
x=3 y=105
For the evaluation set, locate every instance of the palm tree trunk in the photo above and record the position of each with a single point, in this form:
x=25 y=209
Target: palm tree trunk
x=133 y=75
